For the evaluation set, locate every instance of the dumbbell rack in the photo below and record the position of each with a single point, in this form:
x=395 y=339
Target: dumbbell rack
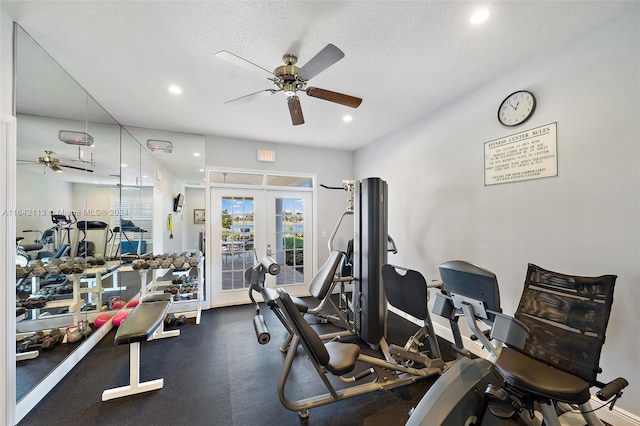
x=93 y=279
x=23 y=356
x=40 y=323
x=191 y=308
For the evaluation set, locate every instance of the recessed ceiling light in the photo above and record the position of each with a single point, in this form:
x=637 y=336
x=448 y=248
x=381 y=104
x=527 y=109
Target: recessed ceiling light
x=201 y=170
x=176 y=90
x=479 y=16
x=347 y=118
x=196 y=154
x=123 y=165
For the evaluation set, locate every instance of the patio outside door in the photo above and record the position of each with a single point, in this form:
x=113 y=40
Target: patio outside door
x=249 y=224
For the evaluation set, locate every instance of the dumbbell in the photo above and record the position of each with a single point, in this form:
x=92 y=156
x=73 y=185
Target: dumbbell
x=116 y=303
x=78 y=267
x=51 y=340
x=65 y=267
x=21 y=272
x=178 y=263
x=171 y=320
x=52 y=269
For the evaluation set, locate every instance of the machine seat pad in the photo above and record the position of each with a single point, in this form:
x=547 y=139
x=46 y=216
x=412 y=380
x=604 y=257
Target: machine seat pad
x=300 y=304
x=160 y=297
x=533 y=376
x=342 y=357
x=30 y=247
x=142 y=322
x=271 y=296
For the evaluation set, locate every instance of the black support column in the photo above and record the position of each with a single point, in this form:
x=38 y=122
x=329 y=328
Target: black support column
x=370 y=253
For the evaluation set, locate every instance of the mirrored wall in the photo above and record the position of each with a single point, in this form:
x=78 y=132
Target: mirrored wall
x=90 y=197
x=69 y=152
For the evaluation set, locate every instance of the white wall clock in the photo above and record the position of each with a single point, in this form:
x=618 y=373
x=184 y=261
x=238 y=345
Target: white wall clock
x=516 y=108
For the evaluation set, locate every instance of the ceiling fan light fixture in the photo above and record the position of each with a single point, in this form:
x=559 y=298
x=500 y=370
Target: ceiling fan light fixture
x=156 y=145
x=73 y=137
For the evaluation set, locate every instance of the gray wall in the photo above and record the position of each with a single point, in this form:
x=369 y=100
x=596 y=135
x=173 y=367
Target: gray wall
x=330 y=166
x=585 y=221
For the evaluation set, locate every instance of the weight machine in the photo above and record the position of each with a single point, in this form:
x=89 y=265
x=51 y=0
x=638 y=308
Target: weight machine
x=399 y=367
x=371 y=244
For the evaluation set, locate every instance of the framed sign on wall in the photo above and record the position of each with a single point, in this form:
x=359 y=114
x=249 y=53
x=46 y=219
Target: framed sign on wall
x=531 y=154
x=198 y=216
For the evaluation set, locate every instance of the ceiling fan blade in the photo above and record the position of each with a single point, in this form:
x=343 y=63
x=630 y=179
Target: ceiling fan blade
x=84 y=169
x=250 y=97
x=241 y=62
x=339 y=98
x=55 y=168
x=328 y=56
x=295 y=109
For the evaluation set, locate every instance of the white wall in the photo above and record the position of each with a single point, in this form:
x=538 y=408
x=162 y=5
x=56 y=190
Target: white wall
x=195 y=199
x=7 y=222
x=37 y=195
x=165 y=190
x=329 y=165
x=586 y=221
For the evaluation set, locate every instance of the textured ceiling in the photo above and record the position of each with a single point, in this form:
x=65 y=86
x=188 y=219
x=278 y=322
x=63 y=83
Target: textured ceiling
x=405 y=59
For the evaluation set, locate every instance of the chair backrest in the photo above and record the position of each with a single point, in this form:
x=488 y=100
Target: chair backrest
x=406 y=290
x=322 y=281
x=567 y=317
x=310 y=338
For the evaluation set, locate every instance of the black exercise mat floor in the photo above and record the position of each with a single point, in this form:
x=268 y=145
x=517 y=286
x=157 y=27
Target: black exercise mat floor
x=214 y=373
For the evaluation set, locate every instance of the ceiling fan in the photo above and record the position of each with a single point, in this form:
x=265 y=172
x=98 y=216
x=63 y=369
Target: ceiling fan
x=290 y=79
x=54 y=163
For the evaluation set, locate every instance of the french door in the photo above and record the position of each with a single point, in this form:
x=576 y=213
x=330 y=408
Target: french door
x=248 y=224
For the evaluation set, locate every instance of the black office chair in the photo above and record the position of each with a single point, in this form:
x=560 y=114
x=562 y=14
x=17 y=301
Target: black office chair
x=567 y=318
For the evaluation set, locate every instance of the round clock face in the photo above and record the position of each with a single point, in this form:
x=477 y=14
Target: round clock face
x=517 y=108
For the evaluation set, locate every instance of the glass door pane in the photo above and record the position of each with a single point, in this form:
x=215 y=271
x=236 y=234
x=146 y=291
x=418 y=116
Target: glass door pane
x=289 y=226
x=289 y=231
x=238 y=236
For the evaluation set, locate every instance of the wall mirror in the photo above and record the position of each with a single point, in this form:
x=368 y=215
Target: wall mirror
x=68 y=191
x=87 y=183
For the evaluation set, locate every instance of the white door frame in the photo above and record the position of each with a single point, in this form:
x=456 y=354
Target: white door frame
x=213 y=232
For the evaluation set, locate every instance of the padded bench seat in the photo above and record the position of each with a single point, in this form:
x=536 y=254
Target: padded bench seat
x=157 y=297
x=142 y=322
x=141 y=325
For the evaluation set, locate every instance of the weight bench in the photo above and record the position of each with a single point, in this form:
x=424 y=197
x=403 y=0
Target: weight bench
x=139 y=326
x=160 y=332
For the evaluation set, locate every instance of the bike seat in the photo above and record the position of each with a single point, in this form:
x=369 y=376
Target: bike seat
x=532 y=376
x=30 y=247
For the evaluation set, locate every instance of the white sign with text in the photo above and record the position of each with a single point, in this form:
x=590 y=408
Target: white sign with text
x=531 y=154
